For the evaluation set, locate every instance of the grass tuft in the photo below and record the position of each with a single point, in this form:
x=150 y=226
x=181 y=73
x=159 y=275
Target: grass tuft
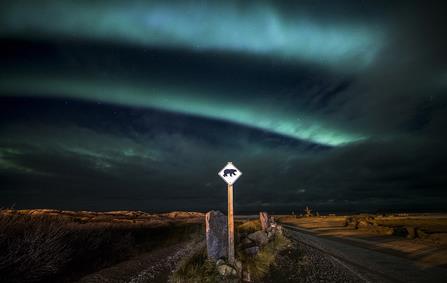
x=196 y=268
x=260 y=264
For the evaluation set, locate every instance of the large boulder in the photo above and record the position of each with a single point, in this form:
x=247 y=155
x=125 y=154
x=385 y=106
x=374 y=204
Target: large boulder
x=238 y=266
x=259 y=237
x=252 y=251
x=216 y=235
x=265 y=220
x=246 y=243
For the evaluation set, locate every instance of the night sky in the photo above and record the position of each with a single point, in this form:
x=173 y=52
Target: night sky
x=110 y=105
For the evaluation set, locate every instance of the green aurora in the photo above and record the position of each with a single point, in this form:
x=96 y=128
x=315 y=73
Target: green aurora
x=250 y=27
x=296 y=125
x=264 y=30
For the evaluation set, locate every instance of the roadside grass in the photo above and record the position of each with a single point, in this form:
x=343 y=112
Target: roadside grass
x=43 y=248
x=196 y=269
x=259 y=265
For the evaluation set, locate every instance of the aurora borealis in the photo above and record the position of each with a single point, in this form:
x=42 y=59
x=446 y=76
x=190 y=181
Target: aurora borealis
x=260 y=28
x=115 y=105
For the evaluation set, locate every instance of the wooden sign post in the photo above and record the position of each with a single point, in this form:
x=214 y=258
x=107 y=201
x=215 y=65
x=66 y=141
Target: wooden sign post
x=230 y=225
x=230 y=174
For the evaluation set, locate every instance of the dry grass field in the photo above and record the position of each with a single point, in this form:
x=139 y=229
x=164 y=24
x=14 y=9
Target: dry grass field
x=422 y=237
x=63 y=246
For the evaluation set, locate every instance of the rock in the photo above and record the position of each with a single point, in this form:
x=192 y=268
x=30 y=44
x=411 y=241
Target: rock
x=383 y=230
x=246 y=277
x=220 y=262
x=362 y=224
x=272 y=228
x=439 y=238
x=252 y=251
x=216 y=235
x=226 y=270
x=411 y=232
x=279 y=230
x=259 y=237
x=246 y=243
x=264 y=219
x=238 y=266
x=397 y=231
x=421 y=234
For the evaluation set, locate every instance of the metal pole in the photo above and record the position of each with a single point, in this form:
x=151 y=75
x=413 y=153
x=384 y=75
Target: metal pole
x=230 y=226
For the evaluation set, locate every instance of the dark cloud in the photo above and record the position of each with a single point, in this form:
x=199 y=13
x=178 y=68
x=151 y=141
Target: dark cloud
x=402 y=89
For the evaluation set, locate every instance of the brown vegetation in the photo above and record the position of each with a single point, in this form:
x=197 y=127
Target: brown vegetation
x=61 y=246
x=427 y=227
x=423 y=227
x=421 y=237
x=248 y=226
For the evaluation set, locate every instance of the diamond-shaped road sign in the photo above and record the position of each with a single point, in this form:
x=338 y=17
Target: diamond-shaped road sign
x=230 y=173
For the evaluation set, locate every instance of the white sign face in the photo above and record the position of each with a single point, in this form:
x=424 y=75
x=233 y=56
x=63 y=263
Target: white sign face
x=230 y=173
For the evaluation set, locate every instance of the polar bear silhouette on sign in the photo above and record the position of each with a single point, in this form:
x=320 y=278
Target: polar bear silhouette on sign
x=230 y=172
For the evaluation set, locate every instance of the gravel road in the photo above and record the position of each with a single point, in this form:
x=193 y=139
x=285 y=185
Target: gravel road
x=344 y=262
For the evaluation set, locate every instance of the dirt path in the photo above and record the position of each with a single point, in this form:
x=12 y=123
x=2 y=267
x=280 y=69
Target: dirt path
x=363 y=263
x=155 y=266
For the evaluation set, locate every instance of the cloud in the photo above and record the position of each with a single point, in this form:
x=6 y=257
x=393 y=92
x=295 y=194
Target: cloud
x=102 y=168
x=400 y=91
